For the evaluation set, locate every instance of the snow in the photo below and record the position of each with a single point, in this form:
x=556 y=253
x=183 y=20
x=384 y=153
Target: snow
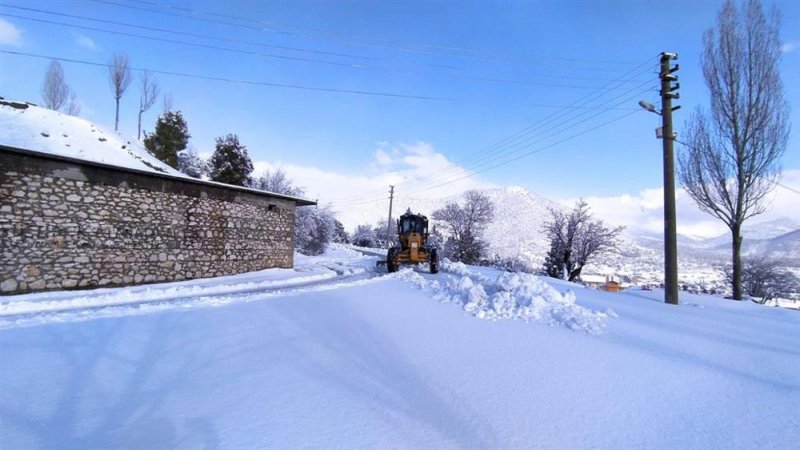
x=56 y=133
x=339 y=354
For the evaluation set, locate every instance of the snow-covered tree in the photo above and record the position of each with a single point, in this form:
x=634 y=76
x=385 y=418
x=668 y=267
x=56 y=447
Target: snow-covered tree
x=190 y=163
x=464 y=226
x=574 y=239
x=340 y=236
x=276 y=181
x=55 y=91
x=364 y=236
x=435 y=238
x=230 y=163
x=314 y=229
x=170 y=137
x=385 y=232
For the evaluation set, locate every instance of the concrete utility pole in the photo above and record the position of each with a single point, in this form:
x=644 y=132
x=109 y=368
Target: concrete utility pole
x=671 y=291
x=389 y=224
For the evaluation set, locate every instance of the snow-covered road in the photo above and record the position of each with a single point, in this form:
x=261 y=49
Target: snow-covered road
x=339 y=355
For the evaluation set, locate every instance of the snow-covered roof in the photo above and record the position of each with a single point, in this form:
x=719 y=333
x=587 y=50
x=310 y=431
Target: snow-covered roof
x=27 y=127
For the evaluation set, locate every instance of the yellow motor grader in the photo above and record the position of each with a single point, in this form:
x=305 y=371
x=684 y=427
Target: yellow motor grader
x=412 y=233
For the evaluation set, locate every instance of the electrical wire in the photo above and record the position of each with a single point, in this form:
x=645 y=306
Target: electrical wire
x=292 y=58
x=270 y=27
x=230 y=80
x=482 y=154
x=184 y=33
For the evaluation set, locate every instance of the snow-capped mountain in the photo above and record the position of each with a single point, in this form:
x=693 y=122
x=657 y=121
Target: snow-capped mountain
x=516 y=233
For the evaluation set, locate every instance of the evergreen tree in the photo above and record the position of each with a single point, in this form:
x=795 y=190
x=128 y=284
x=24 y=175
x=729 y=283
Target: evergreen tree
x=170 y=137
x=230 y=163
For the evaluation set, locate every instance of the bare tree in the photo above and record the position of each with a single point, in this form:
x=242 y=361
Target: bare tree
x=574 y=239
x=74 y=105
x=119 y=76
x=464 y=225
x=54 y=87
x=167 y=103
x=732 y=152
x=765 y=278
x=148 y=94
x=278 y=182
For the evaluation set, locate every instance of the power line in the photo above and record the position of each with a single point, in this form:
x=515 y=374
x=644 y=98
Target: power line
x=791 y=189
x=526 y=134
x=190 y=44
x=788 y=188
x=538 y=150
x=495 y=163
x=184 y=33
x=193 y=15
x=283 y=57
x=231 y=80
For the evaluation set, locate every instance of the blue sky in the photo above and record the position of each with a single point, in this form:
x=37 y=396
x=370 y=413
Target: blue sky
x=491 y=70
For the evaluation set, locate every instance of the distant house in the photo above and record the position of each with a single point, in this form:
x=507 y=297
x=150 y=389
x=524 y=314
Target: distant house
x=602 y=282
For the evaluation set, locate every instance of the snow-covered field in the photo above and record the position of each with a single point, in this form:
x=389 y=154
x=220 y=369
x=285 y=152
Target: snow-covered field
x=339 y=354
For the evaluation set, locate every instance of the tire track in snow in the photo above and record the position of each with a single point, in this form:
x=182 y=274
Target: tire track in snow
x=62 y=311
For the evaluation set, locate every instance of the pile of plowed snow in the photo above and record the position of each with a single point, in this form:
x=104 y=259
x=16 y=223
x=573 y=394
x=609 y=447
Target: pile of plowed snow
x=511 y=295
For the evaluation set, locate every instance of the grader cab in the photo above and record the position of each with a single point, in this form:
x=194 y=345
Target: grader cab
x=412 y=233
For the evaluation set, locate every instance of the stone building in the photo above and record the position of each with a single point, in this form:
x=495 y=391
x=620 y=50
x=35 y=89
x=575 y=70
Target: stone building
x=67 y=222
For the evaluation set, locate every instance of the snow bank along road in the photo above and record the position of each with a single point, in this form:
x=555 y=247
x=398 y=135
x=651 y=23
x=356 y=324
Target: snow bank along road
x=511 y=296
x=66 y=306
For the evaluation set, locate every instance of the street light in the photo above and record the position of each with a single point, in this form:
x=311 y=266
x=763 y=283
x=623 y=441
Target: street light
x=648 y=106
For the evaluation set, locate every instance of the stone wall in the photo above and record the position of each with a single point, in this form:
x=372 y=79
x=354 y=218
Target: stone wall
x=70 y=224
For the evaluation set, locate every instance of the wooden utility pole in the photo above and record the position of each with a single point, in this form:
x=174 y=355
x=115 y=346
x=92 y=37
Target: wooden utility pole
x=389 y=223
x=671 y=291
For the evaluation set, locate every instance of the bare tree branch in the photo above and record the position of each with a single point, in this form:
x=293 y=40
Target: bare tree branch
x=148 y=94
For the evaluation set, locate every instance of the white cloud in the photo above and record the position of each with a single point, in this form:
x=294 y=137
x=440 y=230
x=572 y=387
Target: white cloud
x=416 y=170
x=643 y=212
x=790 y=46
x=85 y=41
x=9 y=34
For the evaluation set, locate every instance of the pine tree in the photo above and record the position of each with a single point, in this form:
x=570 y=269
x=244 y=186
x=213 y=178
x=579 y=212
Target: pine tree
x=230 y=163
x=170 y=138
